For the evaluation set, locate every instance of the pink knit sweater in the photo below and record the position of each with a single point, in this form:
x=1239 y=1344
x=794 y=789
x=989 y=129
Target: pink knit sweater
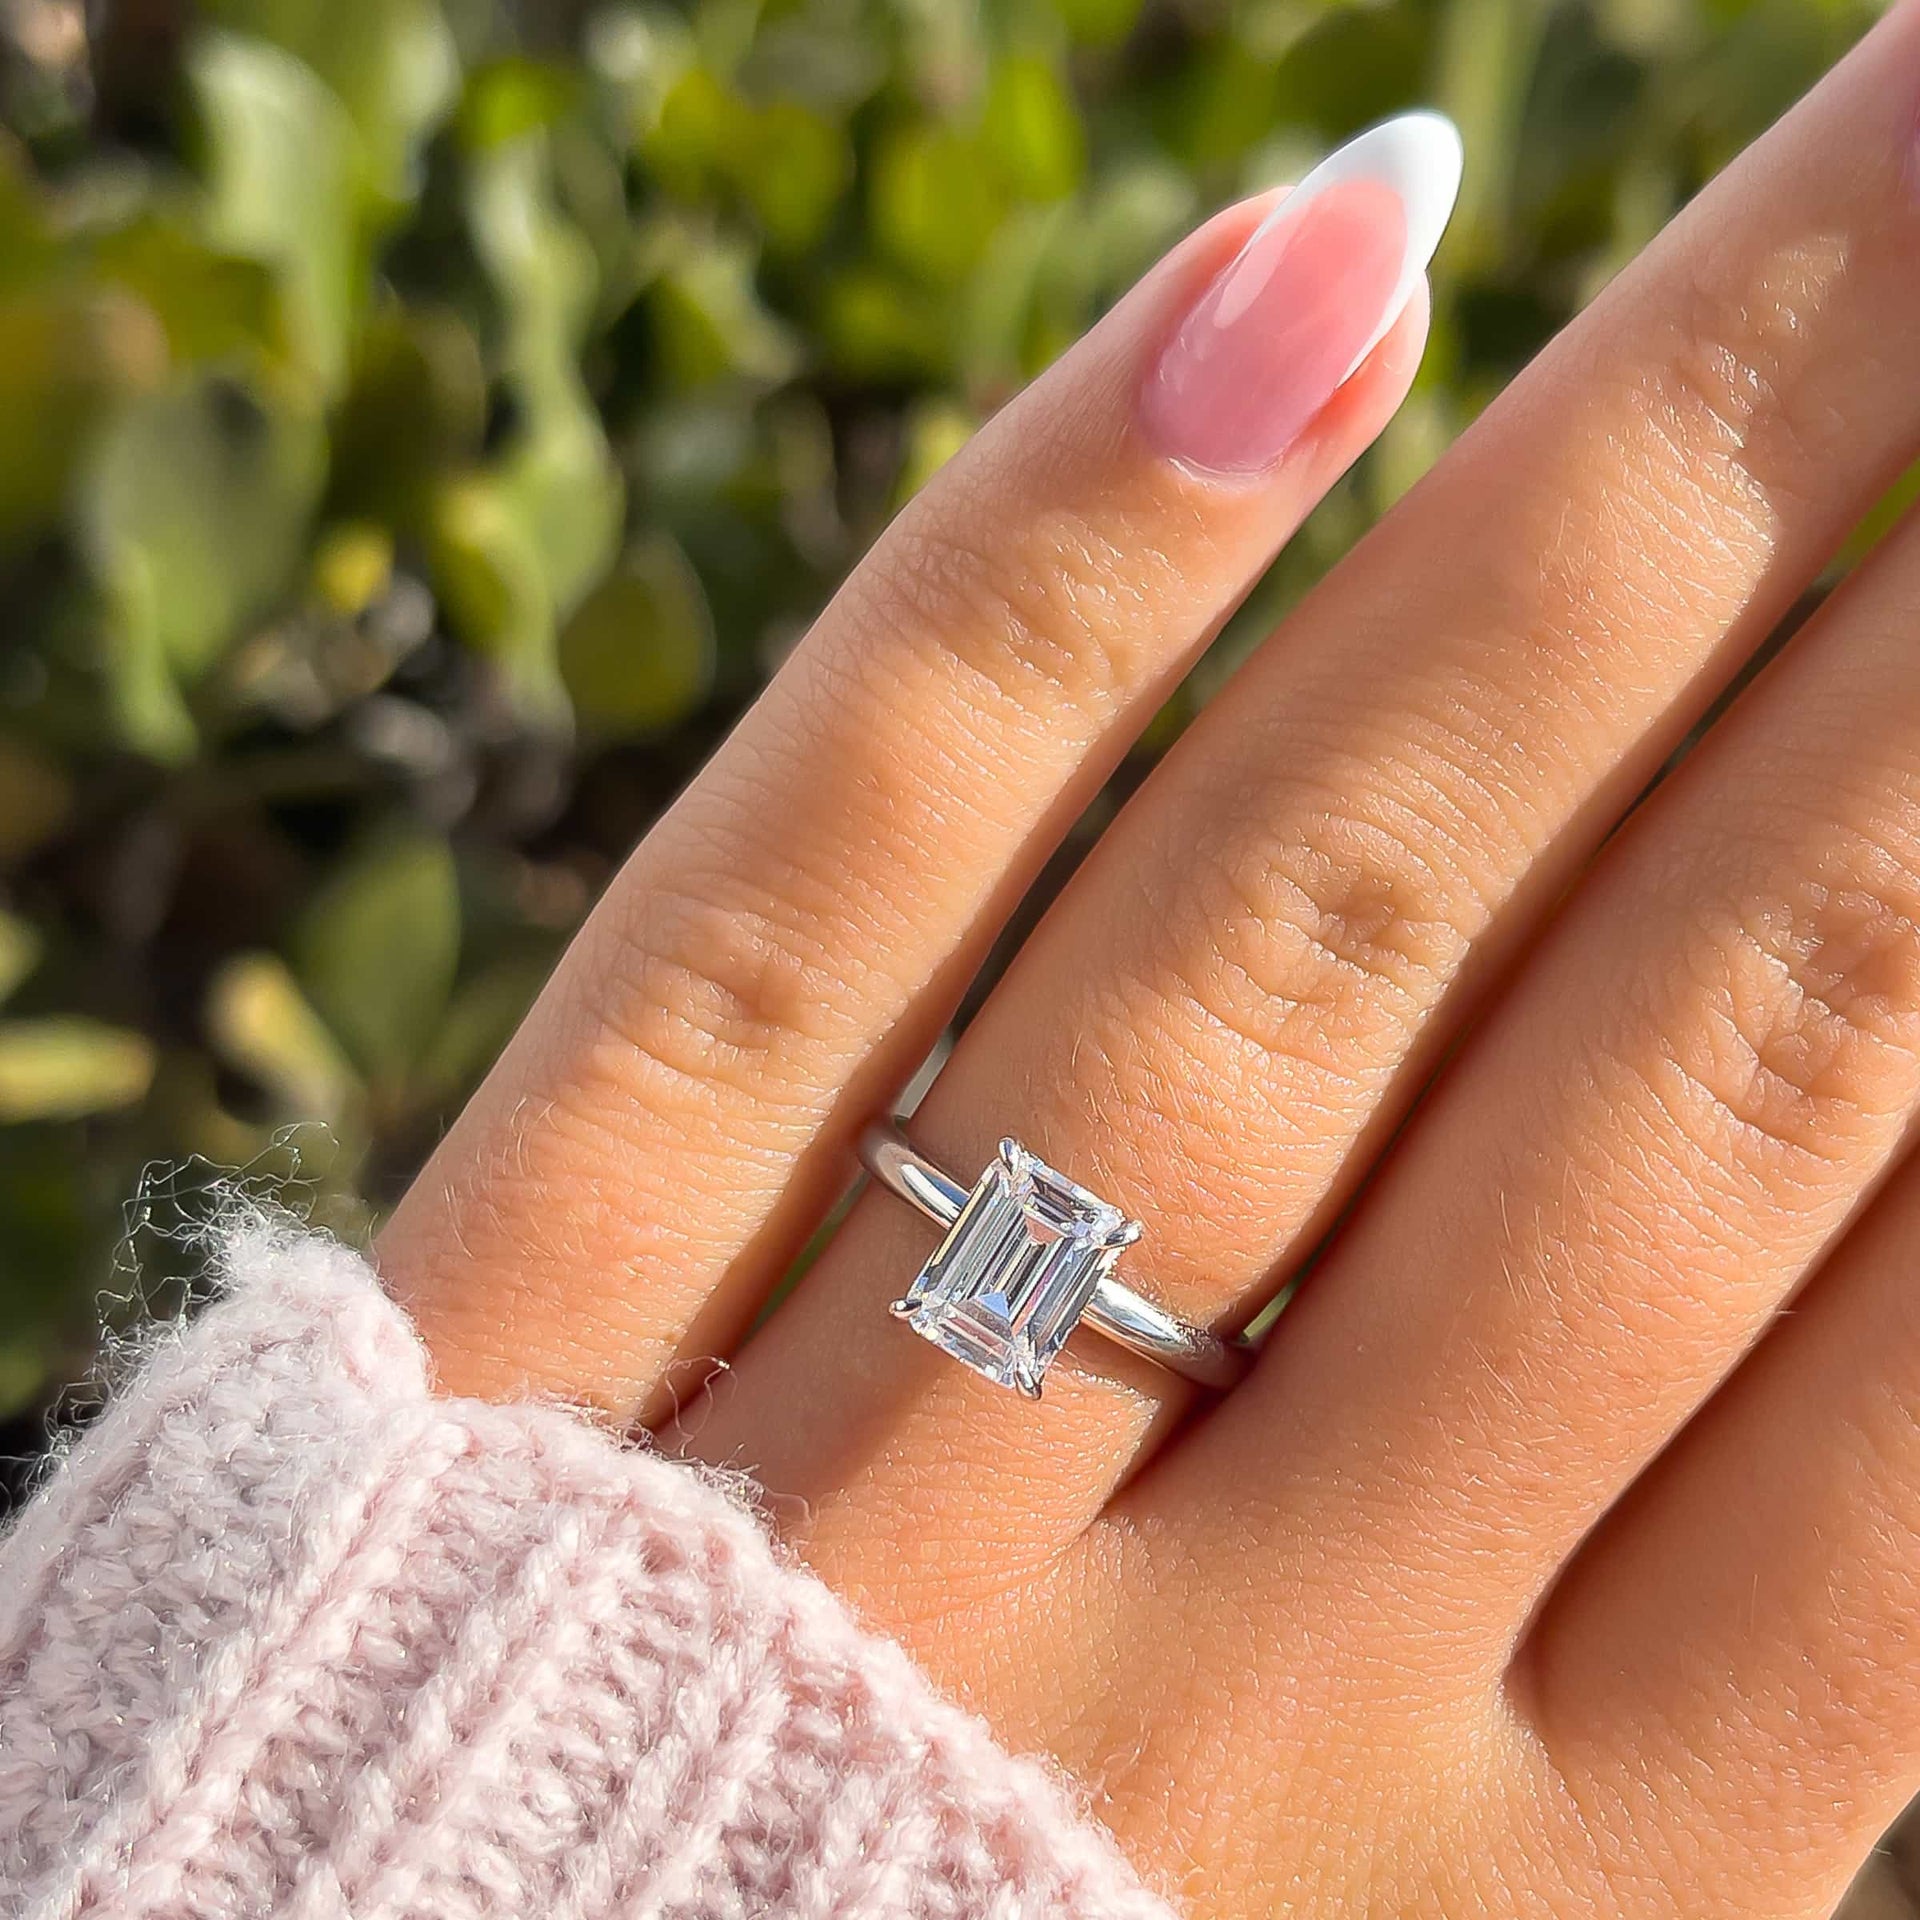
x=288 y=1635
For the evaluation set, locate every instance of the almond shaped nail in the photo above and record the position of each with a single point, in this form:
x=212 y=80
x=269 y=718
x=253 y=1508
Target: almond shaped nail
x=1315 y=289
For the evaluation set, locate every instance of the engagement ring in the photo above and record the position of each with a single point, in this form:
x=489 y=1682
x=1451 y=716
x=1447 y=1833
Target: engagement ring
x=1028 y=1256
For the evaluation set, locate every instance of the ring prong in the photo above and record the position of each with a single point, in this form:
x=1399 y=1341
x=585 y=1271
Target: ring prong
x=1126 y=1233
x=901 y=1309
x=1030 y=1389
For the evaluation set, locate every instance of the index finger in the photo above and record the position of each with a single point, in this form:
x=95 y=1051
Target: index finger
x=668 y=1126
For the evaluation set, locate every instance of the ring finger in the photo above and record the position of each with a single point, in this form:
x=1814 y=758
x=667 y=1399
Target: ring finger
x=1247 y=982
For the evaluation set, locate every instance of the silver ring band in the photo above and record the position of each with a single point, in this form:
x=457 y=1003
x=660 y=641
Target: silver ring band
x=1108 y=1307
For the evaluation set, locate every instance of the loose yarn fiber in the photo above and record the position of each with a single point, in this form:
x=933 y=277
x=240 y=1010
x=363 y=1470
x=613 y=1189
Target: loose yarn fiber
x=289 y=1635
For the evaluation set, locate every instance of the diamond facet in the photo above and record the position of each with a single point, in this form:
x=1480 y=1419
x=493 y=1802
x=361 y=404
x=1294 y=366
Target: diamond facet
x=1010 y=1281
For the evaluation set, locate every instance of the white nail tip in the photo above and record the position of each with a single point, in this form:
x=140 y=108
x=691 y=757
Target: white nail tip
x=1419 y=156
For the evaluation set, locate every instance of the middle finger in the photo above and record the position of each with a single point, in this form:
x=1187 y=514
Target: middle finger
x=1249 y=979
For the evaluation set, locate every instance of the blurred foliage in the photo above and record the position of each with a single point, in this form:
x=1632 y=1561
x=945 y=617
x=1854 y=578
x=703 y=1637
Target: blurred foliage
x=425 y=423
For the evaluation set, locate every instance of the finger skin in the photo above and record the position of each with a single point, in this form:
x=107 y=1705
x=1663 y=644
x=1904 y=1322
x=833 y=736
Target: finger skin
x=669 y=1124
x=1741 y=1631
x=1709 y=1062
x=1231 y=1008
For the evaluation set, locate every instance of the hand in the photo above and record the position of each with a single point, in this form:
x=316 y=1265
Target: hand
x=1543 y=1565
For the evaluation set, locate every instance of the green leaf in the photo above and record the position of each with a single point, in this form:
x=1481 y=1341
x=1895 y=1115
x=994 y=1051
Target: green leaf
x=352 y=567
x=936 y=200
x=793 y=166
x=638 y=53
x=784 y=159
x=1219 y=104
x=480 y=1021
x=518 y=544
x=193 y=514
x=1651 y=27
x=638 y=653
x=878 y=326
x=996 y=319
x=260 y=1022
x=390 y=63
x=1098 y=23
x=377 y=947
x=1487 y=55
x=508 y=99
x=1355 y=64
x=19 y=951
x=1132 y=214
x=66 y=1066
x=713 y=325
x=493 y=584
x=699 y=123
x=1032 y=129
x=562 y=480
x=211 y=305
x=67 y=353
x=936 y=430
x=414 y=412
x=284 y=173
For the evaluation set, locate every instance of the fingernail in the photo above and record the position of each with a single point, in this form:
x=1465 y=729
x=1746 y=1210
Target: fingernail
x=1309 y=296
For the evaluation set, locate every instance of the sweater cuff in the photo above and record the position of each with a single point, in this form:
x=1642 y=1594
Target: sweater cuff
x=287 y=1634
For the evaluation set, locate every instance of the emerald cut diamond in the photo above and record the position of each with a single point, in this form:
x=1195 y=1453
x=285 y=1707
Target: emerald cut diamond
x=1016 y=1270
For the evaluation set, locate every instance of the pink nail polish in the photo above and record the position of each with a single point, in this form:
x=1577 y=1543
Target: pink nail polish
x=1308 y=297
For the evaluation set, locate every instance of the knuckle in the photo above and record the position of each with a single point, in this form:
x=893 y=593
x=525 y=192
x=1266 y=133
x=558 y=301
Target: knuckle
x=1743 y=380
x=1319 y=945
x=721 y=994
x=1025 y=600
x=1812 y=1002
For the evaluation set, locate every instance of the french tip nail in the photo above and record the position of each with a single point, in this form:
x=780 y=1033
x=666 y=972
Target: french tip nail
x=1272 y=339
x=1420 y=156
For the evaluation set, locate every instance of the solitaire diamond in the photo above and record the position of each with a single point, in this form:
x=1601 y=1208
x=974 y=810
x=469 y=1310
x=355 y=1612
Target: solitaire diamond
x=1016 y=1270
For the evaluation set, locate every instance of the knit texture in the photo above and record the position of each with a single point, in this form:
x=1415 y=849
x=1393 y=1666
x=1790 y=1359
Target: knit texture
x=289 y=1635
